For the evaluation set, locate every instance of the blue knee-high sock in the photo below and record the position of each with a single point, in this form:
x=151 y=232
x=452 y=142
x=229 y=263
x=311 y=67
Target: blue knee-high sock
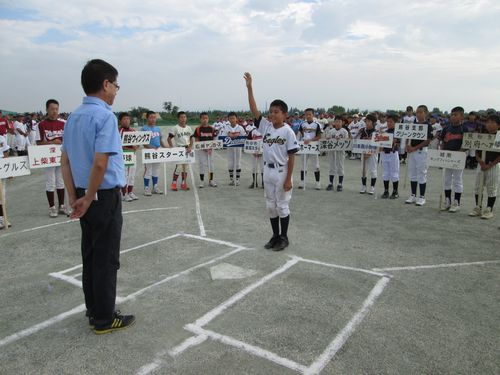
x=146 y=182
x=155 y=180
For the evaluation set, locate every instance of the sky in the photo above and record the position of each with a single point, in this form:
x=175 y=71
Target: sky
x=373 y=54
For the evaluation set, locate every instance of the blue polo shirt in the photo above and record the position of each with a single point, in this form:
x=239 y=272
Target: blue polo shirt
x=92 y=128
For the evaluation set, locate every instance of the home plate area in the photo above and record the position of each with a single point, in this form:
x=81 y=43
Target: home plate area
x=283 y=318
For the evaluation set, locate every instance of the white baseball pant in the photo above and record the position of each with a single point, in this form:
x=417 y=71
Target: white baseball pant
x=305 y=161
x=257 y=163
x=336 y=159
x=453 y=177
x=371 y=166
x=390 y=166
x=205 y=161
x=53 y=179
x=277 y=199
x=152 y=169
x=233 y=158
x=417 y=167
x=130 y=175
x=490 y=180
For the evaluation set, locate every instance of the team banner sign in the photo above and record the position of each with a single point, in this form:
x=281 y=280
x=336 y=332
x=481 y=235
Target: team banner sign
x=411 y=131
x=208 y=145
x=478 y=141
x=341 y=144
x=233 y=142
x=381 y=139
x=129 y=158
x=364 y=146
x=136 y=138
x=253 y=147
x=14 y=167
x=312 y=148
x=44 y=156
x=167 y=155
x=446 y=159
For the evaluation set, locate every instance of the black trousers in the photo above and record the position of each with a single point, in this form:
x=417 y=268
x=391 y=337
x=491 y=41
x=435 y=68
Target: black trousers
x=101 y=234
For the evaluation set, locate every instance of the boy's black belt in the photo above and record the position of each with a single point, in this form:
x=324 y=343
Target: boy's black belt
x=273 y=165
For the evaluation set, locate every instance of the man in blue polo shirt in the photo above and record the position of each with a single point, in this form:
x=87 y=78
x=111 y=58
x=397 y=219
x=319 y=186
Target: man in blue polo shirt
x=93 y=172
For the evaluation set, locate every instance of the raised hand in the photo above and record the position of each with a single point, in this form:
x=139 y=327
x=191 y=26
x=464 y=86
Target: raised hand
x=248 y=79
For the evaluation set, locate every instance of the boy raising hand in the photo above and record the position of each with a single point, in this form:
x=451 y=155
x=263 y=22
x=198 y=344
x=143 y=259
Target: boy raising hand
x=279 y=148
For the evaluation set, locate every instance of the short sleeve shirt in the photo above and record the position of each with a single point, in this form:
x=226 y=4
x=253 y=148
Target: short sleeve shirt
x=182 y=135
x=93 y=128
x=277 y=143
x=155 y=136
x=50 y=130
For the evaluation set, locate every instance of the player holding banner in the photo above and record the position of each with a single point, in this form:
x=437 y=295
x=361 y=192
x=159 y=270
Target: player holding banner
x=390 y=161
x=183 y=137
x=257 y=161
x=127 y=191
x=205 y=132
x=369 y=160
x=279 y=147
x=336 y=158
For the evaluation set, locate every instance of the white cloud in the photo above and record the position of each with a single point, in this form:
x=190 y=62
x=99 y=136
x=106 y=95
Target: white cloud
x=315 y=53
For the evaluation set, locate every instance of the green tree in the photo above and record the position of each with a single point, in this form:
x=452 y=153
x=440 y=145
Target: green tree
x=337 y=109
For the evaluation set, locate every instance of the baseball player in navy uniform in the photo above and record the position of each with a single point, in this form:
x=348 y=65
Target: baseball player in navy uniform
x=417 y=159
x=279 y=147
x=390 y=161
x=452 y=136
x=311 y=132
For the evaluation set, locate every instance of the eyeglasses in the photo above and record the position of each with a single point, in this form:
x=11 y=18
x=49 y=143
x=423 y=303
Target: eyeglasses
x=116 y=85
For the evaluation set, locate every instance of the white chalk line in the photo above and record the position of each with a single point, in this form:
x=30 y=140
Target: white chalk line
x=255 y=350
x=370 y=272
x=75 y=220
x=119 y=300
x=38 y=327
x=69 y=279
x=431 y=266
x=182 y=273
x=212 y=314
x=197 y=202
x=342 y=337
x=147 y=369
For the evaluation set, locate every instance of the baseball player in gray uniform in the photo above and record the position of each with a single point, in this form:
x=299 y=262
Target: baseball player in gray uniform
x=279 y=147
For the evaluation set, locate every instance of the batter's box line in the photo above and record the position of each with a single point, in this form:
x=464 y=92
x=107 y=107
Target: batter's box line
x=318 y=364
x=119 y=300
x=72 y=279
x=434 y=266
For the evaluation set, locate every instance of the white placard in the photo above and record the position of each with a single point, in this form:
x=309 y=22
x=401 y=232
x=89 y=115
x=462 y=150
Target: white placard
x=478 y=141
x=129 y=158
x=136 y=138
x=208 y=145
x=44 y=156
x=341 y=144
x=312 y=148
x=381 y=139
x=253 y=147
x=497 y=140
x=411 y=131
x=364 y=146
x=446 y=159
x=167 y=155
x=14 y=167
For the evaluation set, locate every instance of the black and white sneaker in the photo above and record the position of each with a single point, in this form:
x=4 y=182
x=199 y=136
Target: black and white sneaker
x=272 y=242
x=282 y=244
x=117 y=323
x=329 y=187
x=394 y=195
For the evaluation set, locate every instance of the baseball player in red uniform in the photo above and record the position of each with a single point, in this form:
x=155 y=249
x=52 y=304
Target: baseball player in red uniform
x=50 y=131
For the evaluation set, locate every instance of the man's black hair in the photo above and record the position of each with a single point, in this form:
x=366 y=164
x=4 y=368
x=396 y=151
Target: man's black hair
x=394 y=117
x=181 y=113
x=309 y=110
x=494 y=118
x=122 y=115
x=458 y=109
x=203 y=114
x=280 y=104
x=149 y=113
x=424 y=107
x=51 y=101
x=94 y=73
x=372 y=118
x=232 y=114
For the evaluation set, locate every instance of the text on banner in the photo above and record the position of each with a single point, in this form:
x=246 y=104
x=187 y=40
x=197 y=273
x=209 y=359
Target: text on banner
x=312 y=148
x=364 y=146
x=136 y=138
x=478 y=141
x=381 y=139
x=129 y=158
x=208 y=145
x=44 y=156
x=167 y=155
x=233 y=142
x=253 y=147
x=411 y=131
x=14 y=167
x=341 y=144
x=446 y=159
